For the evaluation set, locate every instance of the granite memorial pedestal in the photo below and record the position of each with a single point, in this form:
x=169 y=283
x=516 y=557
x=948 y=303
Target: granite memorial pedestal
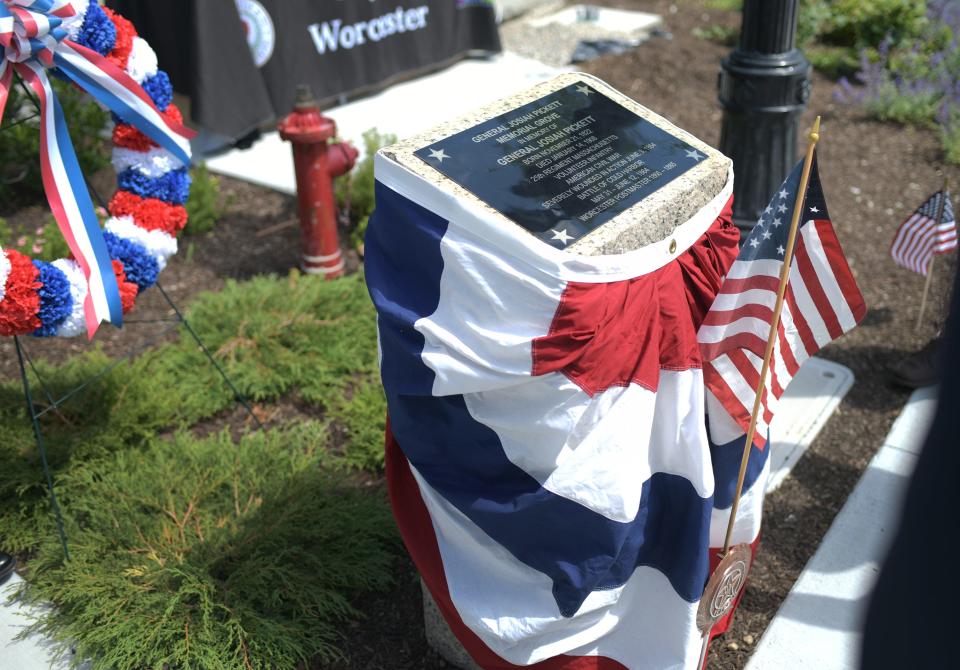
x=576 y=164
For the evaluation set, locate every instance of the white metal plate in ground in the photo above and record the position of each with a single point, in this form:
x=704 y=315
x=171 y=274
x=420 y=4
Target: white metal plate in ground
x=819 y=624
x=811 y=398
x=622 y=21
x=404 y=110
x=33 y=653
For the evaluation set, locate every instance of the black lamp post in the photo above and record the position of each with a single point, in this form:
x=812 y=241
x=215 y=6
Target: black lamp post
x=764 y=86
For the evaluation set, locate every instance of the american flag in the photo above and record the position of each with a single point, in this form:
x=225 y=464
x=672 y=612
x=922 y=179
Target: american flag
x=921 y=235
x=822 y=302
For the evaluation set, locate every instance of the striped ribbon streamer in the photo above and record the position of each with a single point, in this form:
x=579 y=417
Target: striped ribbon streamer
x=32 y=41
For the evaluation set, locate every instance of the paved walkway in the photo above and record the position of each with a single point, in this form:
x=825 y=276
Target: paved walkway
x=404 y=110
x=33 y=653
x=819 y=624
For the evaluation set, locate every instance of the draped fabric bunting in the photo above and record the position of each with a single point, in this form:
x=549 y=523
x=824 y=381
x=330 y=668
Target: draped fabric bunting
x=548 y=461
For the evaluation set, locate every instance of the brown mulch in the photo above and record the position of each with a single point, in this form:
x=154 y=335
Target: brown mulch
x=874 y=174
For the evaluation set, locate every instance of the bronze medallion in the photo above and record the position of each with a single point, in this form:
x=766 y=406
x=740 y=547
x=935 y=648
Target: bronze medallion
x=723 y=587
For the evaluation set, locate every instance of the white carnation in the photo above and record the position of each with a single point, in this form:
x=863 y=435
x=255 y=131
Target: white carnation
x=154 y=163
x=158 y=244
x=75 y=323
x=4 y=272
x=143 y=61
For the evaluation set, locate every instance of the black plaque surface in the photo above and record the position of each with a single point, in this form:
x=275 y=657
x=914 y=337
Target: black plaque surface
x=563 y=165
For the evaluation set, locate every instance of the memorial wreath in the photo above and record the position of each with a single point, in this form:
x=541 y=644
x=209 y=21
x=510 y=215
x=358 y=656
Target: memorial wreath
x=99 y=51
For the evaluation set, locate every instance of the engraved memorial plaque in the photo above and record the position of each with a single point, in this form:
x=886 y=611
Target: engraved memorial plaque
x=564 y=164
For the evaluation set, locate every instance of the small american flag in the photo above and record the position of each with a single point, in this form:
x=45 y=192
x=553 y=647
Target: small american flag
x=921 y=235
x=822 y=302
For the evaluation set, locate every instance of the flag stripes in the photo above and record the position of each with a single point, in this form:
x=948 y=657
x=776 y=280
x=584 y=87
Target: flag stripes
x=821 y=303
x=921 y=235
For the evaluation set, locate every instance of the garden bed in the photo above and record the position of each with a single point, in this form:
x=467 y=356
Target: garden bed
x=305 y=352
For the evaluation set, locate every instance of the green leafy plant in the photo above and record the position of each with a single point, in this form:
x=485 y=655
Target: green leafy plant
x=43 y=243
x=833 y=33
x=211 y=554
x=916 y=81
x=206 y=204
x=727 y=35
x=189 y=547
x=275 y=336
x=20 y=179
x=862 y=24
x=354 y=191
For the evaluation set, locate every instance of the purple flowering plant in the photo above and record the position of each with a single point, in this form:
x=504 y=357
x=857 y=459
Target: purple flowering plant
x=916 y=81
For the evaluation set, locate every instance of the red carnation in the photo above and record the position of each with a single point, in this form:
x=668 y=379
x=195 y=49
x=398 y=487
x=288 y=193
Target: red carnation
x=149 y=213
x=128 y=137
x=124 y=44
x=128 y=290
x=21 y=302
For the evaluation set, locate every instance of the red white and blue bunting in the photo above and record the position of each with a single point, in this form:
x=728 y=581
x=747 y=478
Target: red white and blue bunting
x=99 y=51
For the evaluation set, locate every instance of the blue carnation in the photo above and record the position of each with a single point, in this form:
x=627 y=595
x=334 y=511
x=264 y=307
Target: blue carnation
x=97 y=32
x=173 y=187
x=139 y=265
x=56 y=302
x=160 y=90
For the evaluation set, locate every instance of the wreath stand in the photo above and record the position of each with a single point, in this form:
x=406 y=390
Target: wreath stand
x=37 y=410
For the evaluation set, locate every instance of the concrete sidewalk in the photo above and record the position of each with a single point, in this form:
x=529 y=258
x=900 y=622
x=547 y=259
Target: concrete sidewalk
x=819 y=624
x=32 y=653
x=403 y=110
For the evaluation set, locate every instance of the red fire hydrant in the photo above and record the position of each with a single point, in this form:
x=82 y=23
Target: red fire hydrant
x=317 y=162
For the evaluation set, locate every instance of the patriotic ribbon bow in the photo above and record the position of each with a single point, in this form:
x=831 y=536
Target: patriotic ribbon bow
x=33 y=40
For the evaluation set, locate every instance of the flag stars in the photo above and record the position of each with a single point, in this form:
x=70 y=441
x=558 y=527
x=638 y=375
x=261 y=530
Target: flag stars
x=439 y=154
x=754 y=243
x=783 y=194
x=781 y=250
x=814 y=210
x=777 y=222
x=767 y=234
x=768 y=210
x=562 y=235
x=695 y=155
x=782 y=208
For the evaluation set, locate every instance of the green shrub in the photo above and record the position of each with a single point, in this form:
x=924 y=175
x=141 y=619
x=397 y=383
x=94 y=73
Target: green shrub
x=726 y=35
x=359 y=418
x=20 y=179
x=44 y=243
x=355 y=191
x=915 y=81
x=890 y=104
x=123 y=410
x=273 y=336
x=211 y=554
x=950 y=137
x=206 y=204
x=833 y=33
x=865 y=23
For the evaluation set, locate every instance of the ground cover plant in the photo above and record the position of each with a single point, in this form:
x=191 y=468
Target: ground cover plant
x=193 y=543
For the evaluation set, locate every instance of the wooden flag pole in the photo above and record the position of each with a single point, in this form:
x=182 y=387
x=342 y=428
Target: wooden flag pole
x=774 y=326
x=933 y=257
x=730 y=575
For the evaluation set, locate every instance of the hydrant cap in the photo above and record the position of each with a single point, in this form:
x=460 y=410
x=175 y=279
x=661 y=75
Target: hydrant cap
x=304 y=99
